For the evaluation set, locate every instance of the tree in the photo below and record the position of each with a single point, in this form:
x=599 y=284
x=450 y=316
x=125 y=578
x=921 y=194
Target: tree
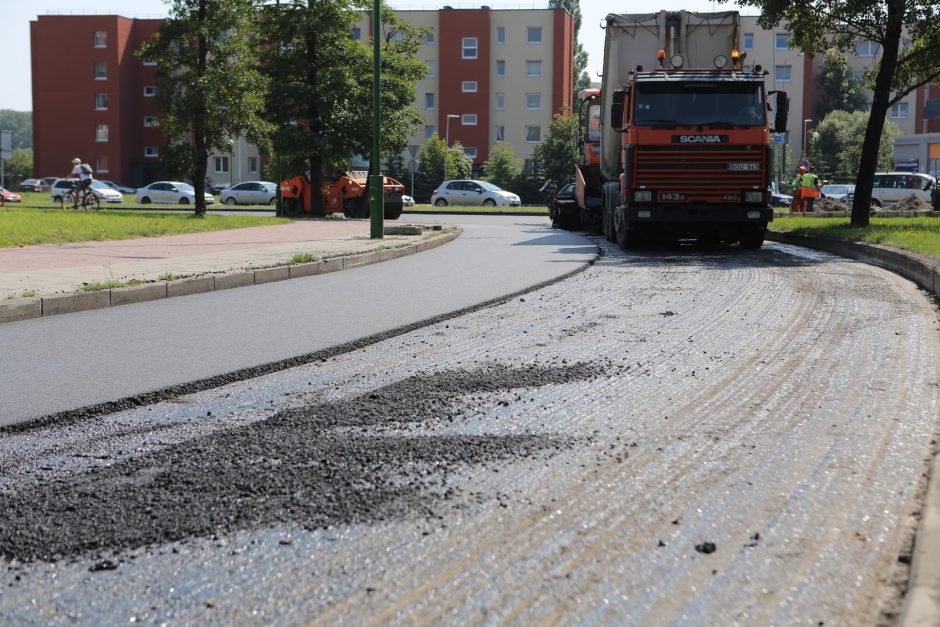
x=209 y=88
x=836 y=87
x=20 y=123
x=503 y=167
x=842 y=24
x=557 y=155
x=837 y=150
x=320 y=100
x=582 y=80
x=431 y=160
x=20 y=164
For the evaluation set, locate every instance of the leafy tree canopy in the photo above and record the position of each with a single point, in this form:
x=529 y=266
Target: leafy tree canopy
x=837 y=148
x=209 y=88
x=836 y=88
x=20 y=123
x=20 y=164
x=557 y=155
x=907 y=37
x=503 y=167
x=431 y=160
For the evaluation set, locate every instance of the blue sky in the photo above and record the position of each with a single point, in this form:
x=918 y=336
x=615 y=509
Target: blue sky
x=15 y=15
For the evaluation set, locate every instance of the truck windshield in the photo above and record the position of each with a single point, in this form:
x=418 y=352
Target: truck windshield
x=699 y=104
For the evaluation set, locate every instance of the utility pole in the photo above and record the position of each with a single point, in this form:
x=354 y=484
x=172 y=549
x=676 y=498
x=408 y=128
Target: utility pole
x=377 y=184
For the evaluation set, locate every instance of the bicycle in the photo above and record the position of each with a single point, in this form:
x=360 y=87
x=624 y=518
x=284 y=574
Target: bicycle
x=84 y=199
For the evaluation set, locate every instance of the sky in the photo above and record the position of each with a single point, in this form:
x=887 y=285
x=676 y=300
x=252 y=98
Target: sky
x=15 y=15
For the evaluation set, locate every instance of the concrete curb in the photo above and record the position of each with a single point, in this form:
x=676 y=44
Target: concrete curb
x=921 y=603
x=16 y=309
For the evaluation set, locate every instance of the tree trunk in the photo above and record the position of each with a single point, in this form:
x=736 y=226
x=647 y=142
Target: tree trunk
x=879 y=110
x=317 y=209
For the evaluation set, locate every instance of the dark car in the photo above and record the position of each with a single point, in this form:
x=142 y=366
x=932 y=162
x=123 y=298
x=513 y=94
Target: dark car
x=564 y=210
x=216 y=188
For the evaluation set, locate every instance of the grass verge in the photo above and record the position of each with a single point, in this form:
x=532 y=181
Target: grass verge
x=27 y=227
x=920 y=235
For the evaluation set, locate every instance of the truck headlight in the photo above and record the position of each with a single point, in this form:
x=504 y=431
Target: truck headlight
x=754 y=197
x=643 y=195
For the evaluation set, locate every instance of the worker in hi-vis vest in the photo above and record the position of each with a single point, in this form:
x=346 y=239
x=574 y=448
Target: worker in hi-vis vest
x=798 y=205
x=810 y=187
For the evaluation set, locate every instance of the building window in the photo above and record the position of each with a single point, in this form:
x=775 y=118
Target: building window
x=782 y=41
x=357 y=33
x=101 y=133
x=500 y=68
x=150 y=121
x=101 y=39
x=151 y=151
x=533 y=134
x=470 y=151
x=533 y=102
x=428 y=131
x=500 y=102
x=782 y=73
x=396 y=36
x=150 y=91
x=429 y=102
x=899 y=111
x=432 y=69
x=101 y=164
x=101 y=71
x=468 y=87
x=866 y=49
x=533 y=34
x=533 y=68
x=748 y=41
x=469 y=47
x=500 y=35
x=500 y=133
x=101 y=102
x=221 y=164
x=252 y=164
x=468 y=119
x=429 y=36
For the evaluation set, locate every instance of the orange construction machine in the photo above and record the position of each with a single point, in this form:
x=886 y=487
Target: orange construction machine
x=344 y=194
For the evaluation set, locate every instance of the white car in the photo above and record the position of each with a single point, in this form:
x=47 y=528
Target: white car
x=102 y=191
x=407 y=201
x=890 y=187
x=169 y=192
x=249 y=193
x=472 y=192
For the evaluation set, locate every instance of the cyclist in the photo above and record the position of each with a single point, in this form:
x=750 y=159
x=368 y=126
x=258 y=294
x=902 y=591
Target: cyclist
x=83 y=171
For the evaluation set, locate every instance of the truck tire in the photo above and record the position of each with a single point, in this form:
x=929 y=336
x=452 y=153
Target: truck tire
x=610 y=197
x=626 y=237
x=753 y=238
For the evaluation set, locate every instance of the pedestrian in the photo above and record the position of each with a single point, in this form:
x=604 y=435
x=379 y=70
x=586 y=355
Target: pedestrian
x=810 y=187
x=798 y=205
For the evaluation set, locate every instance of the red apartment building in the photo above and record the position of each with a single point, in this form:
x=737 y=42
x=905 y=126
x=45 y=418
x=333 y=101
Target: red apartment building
x=92 y=98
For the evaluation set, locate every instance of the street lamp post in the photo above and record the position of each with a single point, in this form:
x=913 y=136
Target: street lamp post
x=450 y=116
x=231 y=165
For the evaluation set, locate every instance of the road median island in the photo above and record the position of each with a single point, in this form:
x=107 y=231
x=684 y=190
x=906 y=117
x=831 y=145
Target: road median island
x=352 y=256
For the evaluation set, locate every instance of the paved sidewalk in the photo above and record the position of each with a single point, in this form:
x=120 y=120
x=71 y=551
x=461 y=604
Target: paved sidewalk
x=63 y=268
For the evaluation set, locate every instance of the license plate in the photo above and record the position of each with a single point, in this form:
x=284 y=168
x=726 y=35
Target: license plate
x=744 y=167
x=671 y=196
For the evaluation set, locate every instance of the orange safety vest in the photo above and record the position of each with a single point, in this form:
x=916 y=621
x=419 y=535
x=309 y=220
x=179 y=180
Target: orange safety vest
x=808 y=183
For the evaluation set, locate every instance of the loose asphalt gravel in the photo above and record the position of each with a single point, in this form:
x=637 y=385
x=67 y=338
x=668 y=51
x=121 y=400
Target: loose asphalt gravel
x=672 y=435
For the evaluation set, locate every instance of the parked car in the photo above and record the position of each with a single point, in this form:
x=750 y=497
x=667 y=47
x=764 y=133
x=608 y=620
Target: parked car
x=407 y=201
x=843 y=192
x=46 y=182
x=30 y=185
x=216 y=188
x=9 y=196
x=780 y=200
x=169 y=192
x=123 y=189
x=104 y=193
x=250 y=193
x=472 y=192
x=890 y=187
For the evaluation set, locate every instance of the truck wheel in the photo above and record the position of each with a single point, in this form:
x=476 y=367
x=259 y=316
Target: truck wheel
x=753 y=238
x=626 y=237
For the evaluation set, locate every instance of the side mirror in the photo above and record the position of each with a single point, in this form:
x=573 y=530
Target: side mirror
x=781 y=110
x=616 y=110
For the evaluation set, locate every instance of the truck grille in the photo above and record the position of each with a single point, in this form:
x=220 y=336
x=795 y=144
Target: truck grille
x=699 y=170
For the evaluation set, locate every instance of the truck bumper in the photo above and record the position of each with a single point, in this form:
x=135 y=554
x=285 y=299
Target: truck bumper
x=725 y=215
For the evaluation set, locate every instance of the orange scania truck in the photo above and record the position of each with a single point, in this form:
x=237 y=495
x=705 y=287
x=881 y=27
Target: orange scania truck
x=683 y=150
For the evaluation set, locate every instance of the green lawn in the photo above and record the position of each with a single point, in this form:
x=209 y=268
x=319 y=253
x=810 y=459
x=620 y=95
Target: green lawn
x=921 y=235
x=26 y=226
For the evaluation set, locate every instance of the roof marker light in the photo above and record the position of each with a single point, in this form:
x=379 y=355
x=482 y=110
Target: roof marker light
x=661 y=57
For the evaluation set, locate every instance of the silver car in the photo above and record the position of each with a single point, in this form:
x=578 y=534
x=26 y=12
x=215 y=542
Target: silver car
x=838 y=191
x=171 y=192
x=472 y=192
x=249 y=193
x=890 y=187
